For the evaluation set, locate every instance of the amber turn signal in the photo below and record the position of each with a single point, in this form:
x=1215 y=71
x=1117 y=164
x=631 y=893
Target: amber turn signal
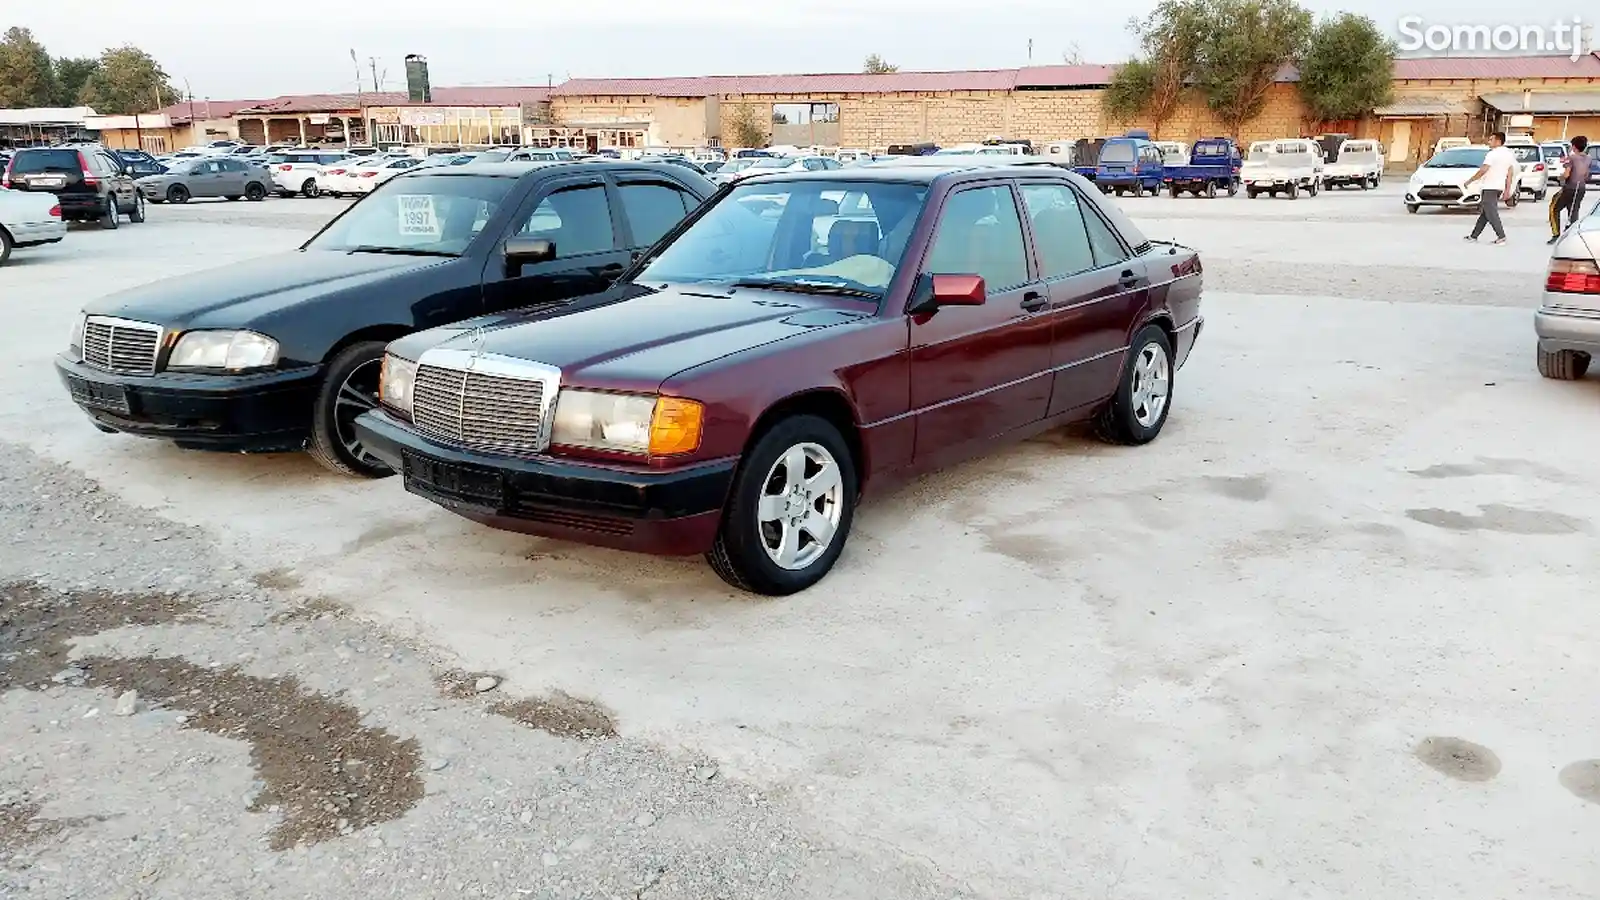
x=675 y=426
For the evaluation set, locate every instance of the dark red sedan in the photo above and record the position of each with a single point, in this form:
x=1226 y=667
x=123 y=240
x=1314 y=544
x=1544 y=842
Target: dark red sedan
x=801 y=338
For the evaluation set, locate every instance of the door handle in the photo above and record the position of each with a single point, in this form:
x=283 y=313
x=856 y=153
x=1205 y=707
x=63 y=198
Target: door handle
x=1128 y=280
x=1033 y=301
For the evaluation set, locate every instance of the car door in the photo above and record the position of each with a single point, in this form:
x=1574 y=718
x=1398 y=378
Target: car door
x=120 y=181
x=575 y=213
x=979 y=371
x=1093 y=294
x=207 y=179
x=651 y=205
x=233 y=177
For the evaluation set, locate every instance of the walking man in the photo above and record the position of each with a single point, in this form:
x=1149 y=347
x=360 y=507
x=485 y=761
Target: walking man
x=1499 y=166
x=1570 y=197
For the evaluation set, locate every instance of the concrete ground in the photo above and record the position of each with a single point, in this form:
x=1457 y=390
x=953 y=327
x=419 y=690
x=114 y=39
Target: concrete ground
x=1330 y=636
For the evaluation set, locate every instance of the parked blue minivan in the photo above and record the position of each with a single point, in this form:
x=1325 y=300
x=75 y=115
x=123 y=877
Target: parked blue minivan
x=1129 y=164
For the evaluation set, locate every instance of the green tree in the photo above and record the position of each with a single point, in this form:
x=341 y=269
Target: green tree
x=1347 y=69
x=1152 y=84
x=26 y=78
x=128 y=81
x=1242 y=46
x=745 y=128
x=71 y=75
x=877 y=65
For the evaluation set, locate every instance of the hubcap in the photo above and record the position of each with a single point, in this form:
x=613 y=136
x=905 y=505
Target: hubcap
x=358 y=394
x=1151 y=383
x=801 y=501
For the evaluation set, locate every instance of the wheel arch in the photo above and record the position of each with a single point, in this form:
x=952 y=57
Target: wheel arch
x=1162 y=319
x=827 y=403
x=385 y=333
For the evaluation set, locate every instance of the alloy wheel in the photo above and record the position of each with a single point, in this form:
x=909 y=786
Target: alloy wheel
x=358 y=394
x=801 y=501
x=1152 y=380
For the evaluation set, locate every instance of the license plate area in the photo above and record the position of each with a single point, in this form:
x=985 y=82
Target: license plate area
x=461 y=483
x=99 y=395
x=46 y=182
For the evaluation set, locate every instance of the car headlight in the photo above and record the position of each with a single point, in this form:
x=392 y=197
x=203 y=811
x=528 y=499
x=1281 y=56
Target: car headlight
x=75 y=344
x=627 y=423
x=395 y=383
x=228 y=350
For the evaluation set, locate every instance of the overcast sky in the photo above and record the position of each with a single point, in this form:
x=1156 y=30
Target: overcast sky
x=228 y=49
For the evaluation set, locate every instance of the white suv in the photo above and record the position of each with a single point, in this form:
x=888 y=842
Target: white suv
x=295 y=172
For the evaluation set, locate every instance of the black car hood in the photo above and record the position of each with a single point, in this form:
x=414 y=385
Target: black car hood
x=639 y=340
x=239 y=295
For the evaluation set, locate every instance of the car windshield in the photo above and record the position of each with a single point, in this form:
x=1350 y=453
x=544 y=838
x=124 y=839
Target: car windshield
x=1459 y=158
x=183 y=167
x=30 y=161
x=424 y=215
x=1116 y=153
x=772 y=162
x=809 y=236
x=736 y=165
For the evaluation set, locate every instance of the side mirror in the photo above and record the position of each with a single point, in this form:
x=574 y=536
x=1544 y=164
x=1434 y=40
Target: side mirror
x=936 y=291
x=526 y=251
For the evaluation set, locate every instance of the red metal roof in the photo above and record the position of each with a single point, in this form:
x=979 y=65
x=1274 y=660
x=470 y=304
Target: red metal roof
x=202 y=109
x=1065 y=76
x=442 y=96
x=1481 y=67
x=826 y=83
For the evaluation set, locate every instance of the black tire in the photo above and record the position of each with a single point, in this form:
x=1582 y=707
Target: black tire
x=234 y=198
x=309 y=188
x=286 y=194
x=1250 y=192
x=178 y=194
x=5 y=246
x=1119 y=191
x=1173 y=190
x=1413 y=207
x=136 y=215
x=740 y=555
x=1233 y=188
x=110 y=218
x=1312 y=190
x=1211 y=190
x=343 y=397
x=254 y=192
x=1127 y=418
x=1138 y=189
x=1293 y=191
x=103 y=429
x=1563 y=365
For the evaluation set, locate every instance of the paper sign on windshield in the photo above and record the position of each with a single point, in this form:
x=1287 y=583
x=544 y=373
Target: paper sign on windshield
x=417 y=218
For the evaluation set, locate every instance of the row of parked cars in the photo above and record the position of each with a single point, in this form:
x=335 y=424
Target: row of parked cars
x=617 y=353
x=1134 y=164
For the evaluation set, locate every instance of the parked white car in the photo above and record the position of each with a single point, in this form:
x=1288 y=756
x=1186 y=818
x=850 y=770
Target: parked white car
x=1532 y=177
x=1555 y=171
x=363 y=178
x=295 y=172
x=1173 y=153
x=1441 y=181
x=29 y=219
x=1289 y=166
x=1359 y=164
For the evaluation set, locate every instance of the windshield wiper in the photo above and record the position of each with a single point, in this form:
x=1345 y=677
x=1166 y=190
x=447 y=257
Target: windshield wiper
x=807 y=287
x=398 y=251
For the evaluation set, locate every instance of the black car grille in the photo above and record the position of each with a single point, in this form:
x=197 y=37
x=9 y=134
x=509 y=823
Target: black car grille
x=117 y=345
x=1436 y=192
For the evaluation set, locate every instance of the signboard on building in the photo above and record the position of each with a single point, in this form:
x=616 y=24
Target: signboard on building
x=317 y=119
x=409 y=116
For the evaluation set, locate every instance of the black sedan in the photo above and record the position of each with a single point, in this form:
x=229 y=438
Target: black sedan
x=283 y=352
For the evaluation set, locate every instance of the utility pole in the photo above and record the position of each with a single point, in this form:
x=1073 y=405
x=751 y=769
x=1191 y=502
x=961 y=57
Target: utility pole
x=377 y=88
x=361 y=104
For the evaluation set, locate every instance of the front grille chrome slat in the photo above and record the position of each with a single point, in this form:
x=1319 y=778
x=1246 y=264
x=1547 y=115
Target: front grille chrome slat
x=120 y=345
x=484 y=401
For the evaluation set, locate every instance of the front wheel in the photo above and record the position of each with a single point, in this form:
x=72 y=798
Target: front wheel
x=1233 y=188
x=1293 y=192
x=136 y=215
x=5 y=246
x=178 y=194
x=1413 y=207
x=109 y=220
x=790 y=509
x=1139 y=408
x=234 y=198
x=350 y=389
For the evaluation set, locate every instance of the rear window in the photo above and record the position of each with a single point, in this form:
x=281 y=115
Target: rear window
x=1116 y=153
x=27 y=162
x=1210 y=150
x=1526 y=154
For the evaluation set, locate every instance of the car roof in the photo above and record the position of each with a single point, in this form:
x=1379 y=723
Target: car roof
x=503 y=169
x=914 y=169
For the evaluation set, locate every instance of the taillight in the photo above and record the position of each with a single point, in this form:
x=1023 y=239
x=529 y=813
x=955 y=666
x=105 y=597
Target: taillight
x=88 y=178
x=369 y=174
x=286 y=168
x=1135 y=168
x=1538 y=167
x=1573 y=276
x=335 y=171
x=55 y=211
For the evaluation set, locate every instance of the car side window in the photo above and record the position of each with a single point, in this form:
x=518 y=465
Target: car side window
x=232 y=165
x=576 y=219
x=980 y=233
x=1108 y=249
x=1059 y=235
x=653 y=208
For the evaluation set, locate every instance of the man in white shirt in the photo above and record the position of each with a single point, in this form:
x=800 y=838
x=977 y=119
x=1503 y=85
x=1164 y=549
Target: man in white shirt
x=1498 y=169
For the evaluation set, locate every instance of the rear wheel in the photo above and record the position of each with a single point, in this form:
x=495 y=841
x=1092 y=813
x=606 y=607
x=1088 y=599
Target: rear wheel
x=178 y=194
x=254 y=192
x=1138 y=189
x=350 y=389
x=790 y=509
x=1211 y=190
x=1293 y=192
x=1563 y=365
x=1250 y=192
x=309 y=188
x=1173 y=191
x=109 y=219
x=136 y=215
x=5 y=246
x=1139 y=408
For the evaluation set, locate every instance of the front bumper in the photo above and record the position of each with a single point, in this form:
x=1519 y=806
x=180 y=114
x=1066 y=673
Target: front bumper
x=32 y=234
x=241 y=413
x=1561 y=329
x=1414 y=197
x=665 y=512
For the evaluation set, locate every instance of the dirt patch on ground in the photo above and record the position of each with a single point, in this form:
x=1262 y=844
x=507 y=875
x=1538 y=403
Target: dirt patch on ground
x=560 y=715
x=323 y=770
x=21 y=825
x=310 y=611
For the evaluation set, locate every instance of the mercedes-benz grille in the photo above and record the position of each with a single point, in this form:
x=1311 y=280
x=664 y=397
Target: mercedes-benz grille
x=486 y=410
x=117 y=345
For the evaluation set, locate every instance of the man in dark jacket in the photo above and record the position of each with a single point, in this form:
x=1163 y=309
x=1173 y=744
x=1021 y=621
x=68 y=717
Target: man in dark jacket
x=1570 y=198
